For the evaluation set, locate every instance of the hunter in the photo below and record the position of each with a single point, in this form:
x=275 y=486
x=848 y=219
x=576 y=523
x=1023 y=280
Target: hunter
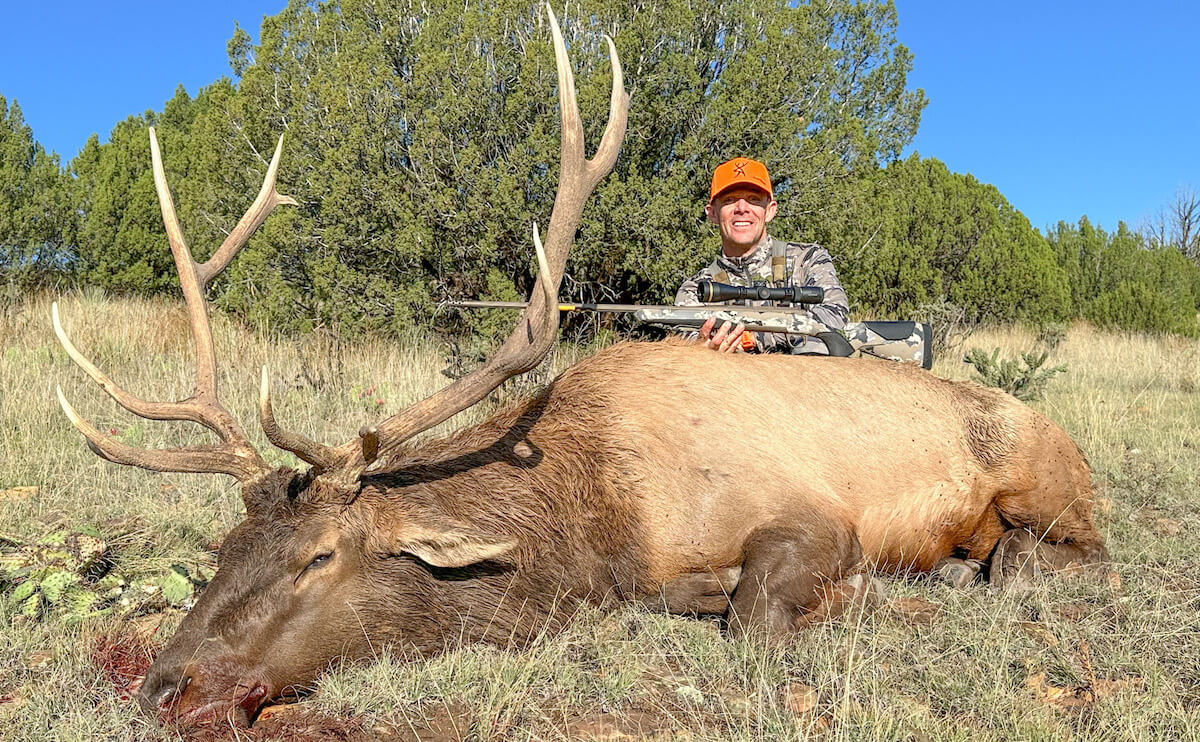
x=741 y=203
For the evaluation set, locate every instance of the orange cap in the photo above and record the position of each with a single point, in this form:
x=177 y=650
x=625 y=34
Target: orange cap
x=740 y=171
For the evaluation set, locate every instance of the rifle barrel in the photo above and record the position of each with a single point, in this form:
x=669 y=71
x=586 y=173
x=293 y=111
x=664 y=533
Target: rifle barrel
x=587 y=307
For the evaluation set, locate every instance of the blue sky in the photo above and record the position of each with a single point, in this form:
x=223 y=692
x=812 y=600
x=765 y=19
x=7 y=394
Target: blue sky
x=1069 y=108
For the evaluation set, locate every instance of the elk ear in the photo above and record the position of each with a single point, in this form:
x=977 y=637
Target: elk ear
x=449 y=545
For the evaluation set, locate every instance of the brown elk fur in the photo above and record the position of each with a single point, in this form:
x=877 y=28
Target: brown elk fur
x=650 y=468
x=639 y=466
x=615 y=469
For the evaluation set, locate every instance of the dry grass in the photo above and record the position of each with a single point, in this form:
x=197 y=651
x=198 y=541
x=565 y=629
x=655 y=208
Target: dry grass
x=1074 y=659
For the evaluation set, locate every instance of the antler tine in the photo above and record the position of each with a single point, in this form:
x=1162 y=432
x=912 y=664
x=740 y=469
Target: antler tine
x=317 y=454
x=545 y=280
x=618 y=118
x=235 y=455
x=189 y=280
x=136 y=405
x=572 y=123
x=193 y=459
x=537 y=328
x=266 y=201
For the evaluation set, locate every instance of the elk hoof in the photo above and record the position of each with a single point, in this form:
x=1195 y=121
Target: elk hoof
x=1015 y=562
x=866 y=591
x=957 y=573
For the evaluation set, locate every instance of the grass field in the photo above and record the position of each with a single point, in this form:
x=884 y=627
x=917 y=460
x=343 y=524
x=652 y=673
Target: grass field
x=1094 y=659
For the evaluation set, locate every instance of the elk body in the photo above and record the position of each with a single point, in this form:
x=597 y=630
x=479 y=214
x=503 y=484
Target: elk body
x=756 y=485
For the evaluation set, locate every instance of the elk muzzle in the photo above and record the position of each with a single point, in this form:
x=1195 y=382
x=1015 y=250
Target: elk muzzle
x=219 y=689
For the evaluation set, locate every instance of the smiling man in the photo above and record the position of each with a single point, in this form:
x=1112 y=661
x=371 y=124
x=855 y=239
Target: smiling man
x=741 y=203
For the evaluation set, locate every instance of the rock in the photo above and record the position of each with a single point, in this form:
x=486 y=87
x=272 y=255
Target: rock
x=17 y=494
x=915 y=610
x=39 y=659
x=799 y=698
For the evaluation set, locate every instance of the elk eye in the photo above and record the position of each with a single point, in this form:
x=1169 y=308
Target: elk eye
x=319 y=560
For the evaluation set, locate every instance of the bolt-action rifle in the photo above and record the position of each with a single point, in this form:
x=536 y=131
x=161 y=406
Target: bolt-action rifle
x=909 y=342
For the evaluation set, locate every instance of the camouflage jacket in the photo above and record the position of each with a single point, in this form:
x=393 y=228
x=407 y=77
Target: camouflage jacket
x=804 y=264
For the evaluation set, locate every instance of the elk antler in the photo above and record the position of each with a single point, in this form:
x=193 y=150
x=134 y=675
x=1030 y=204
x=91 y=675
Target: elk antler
x=537 y=328
x=317 y=454
x=234 y=455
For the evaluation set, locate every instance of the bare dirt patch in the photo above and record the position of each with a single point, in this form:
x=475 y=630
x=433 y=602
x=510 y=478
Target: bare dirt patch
x=613 y=726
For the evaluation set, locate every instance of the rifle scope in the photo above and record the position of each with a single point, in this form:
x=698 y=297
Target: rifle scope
x=711 y=291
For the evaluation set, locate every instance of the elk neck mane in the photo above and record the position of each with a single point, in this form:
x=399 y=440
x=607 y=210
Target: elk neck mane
x=551 y=470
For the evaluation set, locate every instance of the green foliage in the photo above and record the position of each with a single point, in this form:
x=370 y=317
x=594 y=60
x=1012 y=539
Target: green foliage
x=121 y=243
x=176 y=585
x=1051 y=335
x=926 y=236
x=1024 y=377
x=71 y=575
x=423 y=141
x=35 y=207
x=53 y=574
x=1117 y=280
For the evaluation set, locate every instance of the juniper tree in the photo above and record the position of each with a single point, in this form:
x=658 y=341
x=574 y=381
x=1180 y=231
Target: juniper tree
x=421 y=142
x=35 y=210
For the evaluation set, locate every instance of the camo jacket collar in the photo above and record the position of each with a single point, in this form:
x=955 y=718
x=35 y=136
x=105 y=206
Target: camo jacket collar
x=752 y=262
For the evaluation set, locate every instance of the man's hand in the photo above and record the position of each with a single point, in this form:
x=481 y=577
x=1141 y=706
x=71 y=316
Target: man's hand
x=729 y=339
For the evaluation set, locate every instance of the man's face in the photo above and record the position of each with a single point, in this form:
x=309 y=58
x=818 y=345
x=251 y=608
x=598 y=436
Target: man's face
x=742 y=213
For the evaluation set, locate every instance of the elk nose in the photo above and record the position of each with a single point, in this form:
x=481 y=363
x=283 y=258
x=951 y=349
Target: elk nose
x=161 y=697
x=253 y=700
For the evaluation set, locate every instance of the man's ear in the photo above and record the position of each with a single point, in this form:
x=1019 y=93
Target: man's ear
x=771 y=209
x=444 y=543
x=711 y=214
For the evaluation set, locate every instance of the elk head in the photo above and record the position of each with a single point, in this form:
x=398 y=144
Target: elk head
x=316 y=572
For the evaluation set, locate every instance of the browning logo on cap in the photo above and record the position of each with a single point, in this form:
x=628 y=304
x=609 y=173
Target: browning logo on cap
x=740 y=171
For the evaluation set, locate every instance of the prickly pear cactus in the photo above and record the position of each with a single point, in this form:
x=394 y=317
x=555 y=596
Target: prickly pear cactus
x=53 y=573
x=71 y=575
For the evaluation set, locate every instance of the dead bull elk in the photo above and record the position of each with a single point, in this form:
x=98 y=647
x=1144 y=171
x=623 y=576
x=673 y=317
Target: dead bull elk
x=604 y=485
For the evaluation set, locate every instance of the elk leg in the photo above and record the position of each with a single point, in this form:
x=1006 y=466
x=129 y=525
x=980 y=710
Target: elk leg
x=787 y=573
x=1050 y=518
x=860 y=591
x=696 y=593
x=1021 y=556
